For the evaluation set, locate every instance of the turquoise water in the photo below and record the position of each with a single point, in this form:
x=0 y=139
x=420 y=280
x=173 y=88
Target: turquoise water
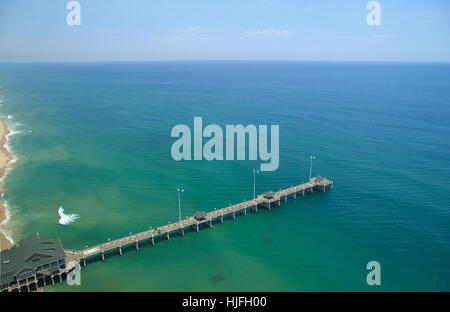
x=100 y=147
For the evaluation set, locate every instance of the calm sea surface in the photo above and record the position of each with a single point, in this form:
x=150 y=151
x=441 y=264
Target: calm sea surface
x=100 y=147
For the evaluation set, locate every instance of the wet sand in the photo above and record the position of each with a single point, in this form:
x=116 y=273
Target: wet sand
x=5 y=158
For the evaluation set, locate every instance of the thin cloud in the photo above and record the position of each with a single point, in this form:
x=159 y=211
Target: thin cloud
x=267 y=32
x=383 y=36
x=189 y=33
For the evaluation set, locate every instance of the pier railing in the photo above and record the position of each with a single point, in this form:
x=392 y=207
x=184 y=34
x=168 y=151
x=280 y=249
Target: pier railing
x=266 y=200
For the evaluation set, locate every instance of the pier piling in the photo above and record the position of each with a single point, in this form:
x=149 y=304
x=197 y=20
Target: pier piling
x=263 y=200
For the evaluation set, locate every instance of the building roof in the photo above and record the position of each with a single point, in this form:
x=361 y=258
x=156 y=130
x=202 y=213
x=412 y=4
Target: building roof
x=29 y=253
x=200 y=215
x=268 y=195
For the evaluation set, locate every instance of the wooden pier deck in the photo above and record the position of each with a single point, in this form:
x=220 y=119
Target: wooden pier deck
x=266 y=200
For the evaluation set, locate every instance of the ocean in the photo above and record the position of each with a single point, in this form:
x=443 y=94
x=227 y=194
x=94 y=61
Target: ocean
x=94 y=138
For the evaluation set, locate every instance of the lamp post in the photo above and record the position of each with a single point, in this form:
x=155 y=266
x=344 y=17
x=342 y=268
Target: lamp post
x=310 y=166
x=179 y=190
x=254 y=182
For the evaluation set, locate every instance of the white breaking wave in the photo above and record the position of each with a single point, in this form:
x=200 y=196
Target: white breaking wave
x=7 y=212
x=65 y=219
x=7 y=146
x=3 y=225
x=4 y=229
x=9 y=238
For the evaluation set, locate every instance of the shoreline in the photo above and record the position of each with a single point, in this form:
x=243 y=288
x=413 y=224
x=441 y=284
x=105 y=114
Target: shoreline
x=5 y=158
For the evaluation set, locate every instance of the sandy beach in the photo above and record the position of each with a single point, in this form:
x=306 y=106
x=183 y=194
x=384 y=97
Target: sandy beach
x=5 y=158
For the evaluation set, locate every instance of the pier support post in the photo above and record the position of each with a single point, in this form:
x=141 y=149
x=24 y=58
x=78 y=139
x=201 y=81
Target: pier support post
x=196 y=228
x=84 y=262
x=137 y=245
x=221 y=219
x=303 y=192
x=244 y=211
x=152 y=240
x=167 y=235
x=120 y=250
x=53 y=281
x=102 y=256
x=295 y=195
x=43 y=280
x=255 y=208
x=285 y=198
x=233 y=215
x=181 y=231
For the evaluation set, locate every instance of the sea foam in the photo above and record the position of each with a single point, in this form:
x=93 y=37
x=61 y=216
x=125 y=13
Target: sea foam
x=3 y=225
x=65 y=219
x=11 y=131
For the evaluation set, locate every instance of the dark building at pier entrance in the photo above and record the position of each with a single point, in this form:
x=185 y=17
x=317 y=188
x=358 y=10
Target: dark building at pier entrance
x=29 y=260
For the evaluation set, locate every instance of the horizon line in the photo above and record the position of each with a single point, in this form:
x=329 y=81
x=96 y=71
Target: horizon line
x=229 y=60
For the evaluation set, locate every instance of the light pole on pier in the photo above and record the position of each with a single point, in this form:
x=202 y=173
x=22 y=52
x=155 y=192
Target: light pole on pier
x=310 y=166
x=254 y=182
x=179 y=190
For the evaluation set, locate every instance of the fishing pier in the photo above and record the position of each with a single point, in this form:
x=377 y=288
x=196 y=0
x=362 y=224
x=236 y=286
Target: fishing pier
x=56 y=268
x=265 y=201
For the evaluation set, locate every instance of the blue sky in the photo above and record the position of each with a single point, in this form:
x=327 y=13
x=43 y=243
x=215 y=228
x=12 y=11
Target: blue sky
x=119 y=30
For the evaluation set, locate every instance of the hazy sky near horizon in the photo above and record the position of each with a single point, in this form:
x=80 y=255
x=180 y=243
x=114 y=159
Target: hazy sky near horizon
x=118 y=30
